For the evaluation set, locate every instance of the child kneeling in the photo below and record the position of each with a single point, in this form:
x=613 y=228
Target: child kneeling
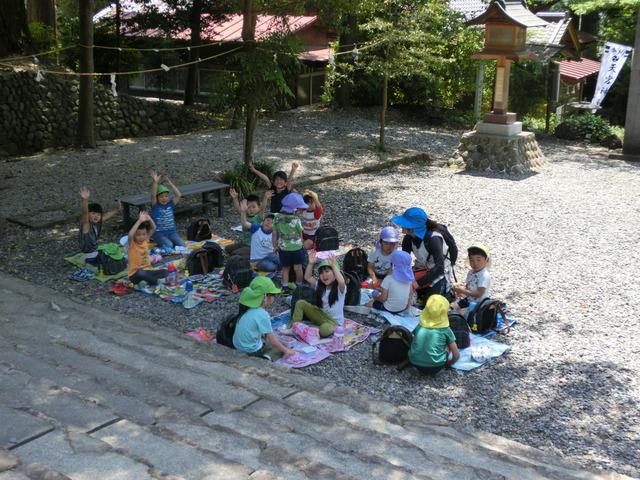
x=433 y=340
x=331 y=290
x=255 y=322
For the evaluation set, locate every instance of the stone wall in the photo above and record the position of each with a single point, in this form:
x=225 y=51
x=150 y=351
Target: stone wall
x=37 y=115
x=512 y=155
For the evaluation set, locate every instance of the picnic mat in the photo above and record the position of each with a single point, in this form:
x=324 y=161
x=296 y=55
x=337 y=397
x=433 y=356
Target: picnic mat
x=77 y=260
x=306 y=355
x=489 y=350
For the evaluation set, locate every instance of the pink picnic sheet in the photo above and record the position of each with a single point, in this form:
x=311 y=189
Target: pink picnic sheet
x=310 y=354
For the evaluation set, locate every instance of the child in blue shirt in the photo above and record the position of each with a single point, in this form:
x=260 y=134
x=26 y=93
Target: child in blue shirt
x=163 y=212
x=254 y=326
x=261 y=250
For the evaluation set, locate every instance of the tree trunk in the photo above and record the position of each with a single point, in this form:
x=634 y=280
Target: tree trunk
x=86 y=136
x=383 y=110
x=14 y=32
x=192 y=74
x=249 y=129
x=631 y=145
x=42 y=11
x=343 y=90
x=249 y=39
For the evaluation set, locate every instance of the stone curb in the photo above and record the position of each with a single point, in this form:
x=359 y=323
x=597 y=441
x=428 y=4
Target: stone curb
x=406 y=157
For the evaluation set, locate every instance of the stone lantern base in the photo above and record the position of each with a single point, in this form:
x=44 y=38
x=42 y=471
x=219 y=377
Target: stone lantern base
x=513 y=154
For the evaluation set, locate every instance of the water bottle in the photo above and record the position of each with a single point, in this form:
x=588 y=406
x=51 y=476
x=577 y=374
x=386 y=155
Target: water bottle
x=172 y=276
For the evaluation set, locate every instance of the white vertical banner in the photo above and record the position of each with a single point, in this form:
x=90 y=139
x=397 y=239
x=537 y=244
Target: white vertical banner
x=613 y=59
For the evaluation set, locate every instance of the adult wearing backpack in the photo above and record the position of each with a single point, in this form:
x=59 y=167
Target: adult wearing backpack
x=424 y=240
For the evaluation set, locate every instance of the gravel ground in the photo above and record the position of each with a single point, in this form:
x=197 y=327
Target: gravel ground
x=563 y=244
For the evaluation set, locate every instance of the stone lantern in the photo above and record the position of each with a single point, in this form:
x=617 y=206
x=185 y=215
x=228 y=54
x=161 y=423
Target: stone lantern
x=498 y=143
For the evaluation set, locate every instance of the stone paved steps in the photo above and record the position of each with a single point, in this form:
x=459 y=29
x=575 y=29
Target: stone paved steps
x=91 y=394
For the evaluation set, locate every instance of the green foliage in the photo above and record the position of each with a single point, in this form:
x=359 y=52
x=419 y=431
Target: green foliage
x=422 y=47
x=589 y=126
x=42 y=37
x=222 y=87
x=538 y=123
x=242 y=180
x=527 y=90
x=262 y=72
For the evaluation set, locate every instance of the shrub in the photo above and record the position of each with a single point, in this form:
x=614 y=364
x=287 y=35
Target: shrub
x=242 y=180
x=585 y=126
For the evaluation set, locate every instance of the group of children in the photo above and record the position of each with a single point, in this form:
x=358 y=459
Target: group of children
x=284 y=239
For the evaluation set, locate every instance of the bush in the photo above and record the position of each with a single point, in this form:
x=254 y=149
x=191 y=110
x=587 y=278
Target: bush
x=242 y=180
x=585 y=126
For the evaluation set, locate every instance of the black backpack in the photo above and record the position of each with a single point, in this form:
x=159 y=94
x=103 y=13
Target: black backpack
x=460 y=329
x=485 y=316
x=110 y=266
x=199 y=230
x=352 y=296
x=224 y=334
x=237 y=271
x=356 y=261
x=204 y=260
x=393 y=346
x=327 y=239
x=452 y=255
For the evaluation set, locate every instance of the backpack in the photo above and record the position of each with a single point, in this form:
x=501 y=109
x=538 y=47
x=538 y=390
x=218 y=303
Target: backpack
x=224 y=334
x=111 y=258
x=452 y=254
x=485 y=316
x=460 y=329
x=352 y=295
x=237 y=271
x=204 y=260
x=327 y=239
x=393 y=346
x=356 y=261
x=199 y=230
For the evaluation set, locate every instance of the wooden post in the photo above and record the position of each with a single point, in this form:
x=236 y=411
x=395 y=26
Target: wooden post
x=477 y=102
x=86 y=136
x=631 y=145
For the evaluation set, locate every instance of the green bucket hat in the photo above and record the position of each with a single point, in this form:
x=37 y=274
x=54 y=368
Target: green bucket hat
x=113 y=250
x=253 y=295
x=324 y=263
x=161 y=189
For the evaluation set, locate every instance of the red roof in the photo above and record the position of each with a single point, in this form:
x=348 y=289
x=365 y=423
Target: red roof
x=574 y=70
x=230 y=30
x=318 y=55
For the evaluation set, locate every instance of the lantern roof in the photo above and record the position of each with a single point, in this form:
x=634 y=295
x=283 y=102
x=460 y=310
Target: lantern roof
x=510 y=11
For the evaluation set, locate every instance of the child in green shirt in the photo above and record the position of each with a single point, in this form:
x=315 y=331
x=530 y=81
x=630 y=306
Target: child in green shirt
x=433 y=340
x=287 y=237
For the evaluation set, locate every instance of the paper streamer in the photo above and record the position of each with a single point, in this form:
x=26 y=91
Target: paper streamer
x=113 y=85
x=332 y=59
x=164 y=67
x=39 y=76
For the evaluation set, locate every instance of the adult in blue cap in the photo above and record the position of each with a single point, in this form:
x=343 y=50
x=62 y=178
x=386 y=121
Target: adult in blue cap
x=432 y=269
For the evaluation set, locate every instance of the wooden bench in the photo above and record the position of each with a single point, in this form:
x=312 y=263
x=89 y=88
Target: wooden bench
x=204 y=188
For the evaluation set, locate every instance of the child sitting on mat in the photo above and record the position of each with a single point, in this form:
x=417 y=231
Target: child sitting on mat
x=139 y=261
x=163 y=212
x=255 y=213
x=261 y=251
x=434 y=344
x=379 y=260
x=478 y=286
x=91 y=225
x=331 y=290
x=396 y=290
x=254 y=326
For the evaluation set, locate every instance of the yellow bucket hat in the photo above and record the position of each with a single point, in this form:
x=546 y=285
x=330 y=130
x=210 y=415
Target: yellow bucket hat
x=435 y=313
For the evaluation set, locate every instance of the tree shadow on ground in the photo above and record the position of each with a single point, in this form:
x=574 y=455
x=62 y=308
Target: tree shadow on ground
x=497 y=175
